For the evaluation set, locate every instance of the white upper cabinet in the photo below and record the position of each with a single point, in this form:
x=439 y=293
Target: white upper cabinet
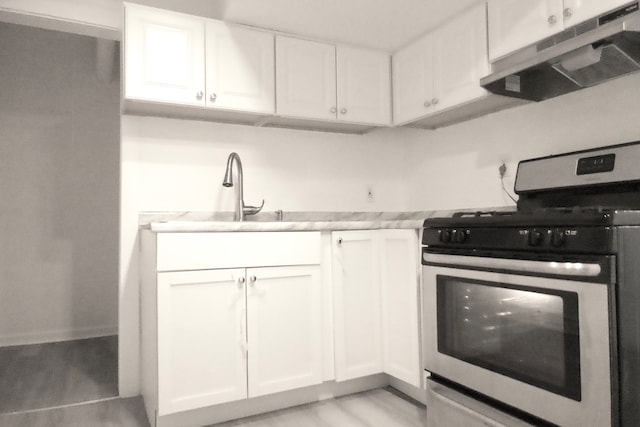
x=514 y=24
x=305 y=79
x=172 y=58
x=442 y=69
x=164 y=56
x=364 y=86
x=240 y=68
x=320 y=81
x=460 y=59
x=577 y=11
x=413 y=80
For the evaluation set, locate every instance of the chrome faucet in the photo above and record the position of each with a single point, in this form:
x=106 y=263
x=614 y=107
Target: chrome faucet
x=241 y=210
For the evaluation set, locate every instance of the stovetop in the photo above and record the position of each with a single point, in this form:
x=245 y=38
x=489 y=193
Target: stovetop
x=591 y=216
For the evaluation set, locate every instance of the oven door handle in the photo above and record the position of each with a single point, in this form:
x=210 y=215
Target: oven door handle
x=556 y=268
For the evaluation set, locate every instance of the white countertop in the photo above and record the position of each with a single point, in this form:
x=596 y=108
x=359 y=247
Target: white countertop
x=188 y=221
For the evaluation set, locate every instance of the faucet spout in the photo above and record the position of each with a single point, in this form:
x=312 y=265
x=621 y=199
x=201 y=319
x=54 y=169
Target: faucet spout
x=241 y=210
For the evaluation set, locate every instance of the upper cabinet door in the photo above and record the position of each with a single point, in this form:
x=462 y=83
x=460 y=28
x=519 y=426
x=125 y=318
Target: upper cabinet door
x=413 y=81
x=284 y=319
x=460 y=59
x=577 y=11
x=305 y=79
x=364 y=86
x=240 y=68
x=164 y=56
x=514 y=24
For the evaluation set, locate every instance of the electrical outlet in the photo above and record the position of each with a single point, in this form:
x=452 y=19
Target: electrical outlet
x=370 y=196
x=503 y=170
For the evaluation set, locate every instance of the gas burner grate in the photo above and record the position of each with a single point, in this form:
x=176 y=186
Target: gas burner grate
x=575 y=210
x=477 y=214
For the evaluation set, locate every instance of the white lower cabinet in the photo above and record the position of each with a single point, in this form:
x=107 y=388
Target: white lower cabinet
x=376 y=304
x=284 y=323
x=399 y=280
x=356 y=304
x=222 y=334
x=201 y=348
x=209 y=339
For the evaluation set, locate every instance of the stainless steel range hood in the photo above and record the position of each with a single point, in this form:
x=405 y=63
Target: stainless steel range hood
x=588 y=54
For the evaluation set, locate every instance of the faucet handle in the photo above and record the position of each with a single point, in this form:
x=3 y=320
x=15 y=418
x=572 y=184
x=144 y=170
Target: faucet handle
x=252 y=210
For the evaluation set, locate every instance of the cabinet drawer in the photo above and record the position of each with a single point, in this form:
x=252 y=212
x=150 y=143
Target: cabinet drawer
x=201 y=251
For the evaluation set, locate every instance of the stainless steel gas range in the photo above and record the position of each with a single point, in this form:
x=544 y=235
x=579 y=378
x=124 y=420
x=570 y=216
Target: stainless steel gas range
x=532 y=316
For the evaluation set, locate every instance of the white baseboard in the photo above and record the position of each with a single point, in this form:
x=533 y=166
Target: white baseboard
x=258 y=405
x=56 y=336
x=413 y=392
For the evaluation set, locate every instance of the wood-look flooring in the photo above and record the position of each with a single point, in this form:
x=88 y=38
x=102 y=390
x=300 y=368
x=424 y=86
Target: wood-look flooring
x=54 y=374
x=114 y=412
x=376 y=408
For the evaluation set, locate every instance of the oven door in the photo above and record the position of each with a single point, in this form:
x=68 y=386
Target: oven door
x=532 y=334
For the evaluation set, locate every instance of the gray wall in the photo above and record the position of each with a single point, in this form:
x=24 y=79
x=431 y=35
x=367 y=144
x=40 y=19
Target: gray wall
x=59 y=187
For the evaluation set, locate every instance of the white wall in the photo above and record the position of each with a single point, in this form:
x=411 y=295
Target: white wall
x=59 y=148
x=178 y=165
x=457 y=166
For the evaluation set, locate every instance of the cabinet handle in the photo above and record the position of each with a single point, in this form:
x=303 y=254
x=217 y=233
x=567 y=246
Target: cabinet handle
x=339 y=240
x=567 y=12
x=333 y=110
x=343 y=111
x=427 y=104
x=213 y=97
x=241 y=280
x=253 y=279
x=434 y=101
x=199 y=95
x=552 y=19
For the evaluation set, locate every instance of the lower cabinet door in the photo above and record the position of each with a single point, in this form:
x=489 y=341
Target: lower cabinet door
x=284 y=317
x=400 y=304
x=201 y=339
x=357 y=305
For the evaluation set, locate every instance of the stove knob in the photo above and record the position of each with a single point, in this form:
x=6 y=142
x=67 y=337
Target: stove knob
x=445 y=236
x=459 y=236
x=557 y=238
x=535 y=238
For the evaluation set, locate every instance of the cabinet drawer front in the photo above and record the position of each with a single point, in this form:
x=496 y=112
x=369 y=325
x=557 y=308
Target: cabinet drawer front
x=198 y=251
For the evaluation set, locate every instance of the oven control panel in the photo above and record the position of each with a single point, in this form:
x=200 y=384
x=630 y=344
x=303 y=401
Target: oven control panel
x=539 y=239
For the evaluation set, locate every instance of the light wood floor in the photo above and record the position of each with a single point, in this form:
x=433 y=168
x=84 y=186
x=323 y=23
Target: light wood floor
x=375 y=408
x=54 y=374
x=107 y=413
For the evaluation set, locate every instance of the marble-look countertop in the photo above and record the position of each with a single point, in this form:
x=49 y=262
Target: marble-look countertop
x=291 y=221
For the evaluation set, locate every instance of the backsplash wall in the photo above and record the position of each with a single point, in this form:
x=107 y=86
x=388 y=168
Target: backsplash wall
x=457 y=167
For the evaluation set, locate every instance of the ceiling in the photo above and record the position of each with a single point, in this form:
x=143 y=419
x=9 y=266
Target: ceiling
x=382 y=24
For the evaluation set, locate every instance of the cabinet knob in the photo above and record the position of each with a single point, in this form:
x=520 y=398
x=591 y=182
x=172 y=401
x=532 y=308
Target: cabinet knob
x=200 y=95
x=333 y=110
x=434 y=101
x=567 y=12
x=552 y=19
x=339 y=240
x=253 y=279
x=427 y=104
x=343 y=111
x=241 y=280
x=213 y=97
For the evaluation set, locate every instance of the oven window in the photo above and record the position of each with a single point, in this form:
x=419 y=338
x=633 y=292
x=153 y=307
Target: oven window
x=528 y=334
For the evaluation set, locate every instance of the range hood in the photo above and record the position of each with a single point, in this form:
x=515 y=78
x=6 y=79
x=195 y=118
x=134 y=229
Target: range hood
x=585 y=55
